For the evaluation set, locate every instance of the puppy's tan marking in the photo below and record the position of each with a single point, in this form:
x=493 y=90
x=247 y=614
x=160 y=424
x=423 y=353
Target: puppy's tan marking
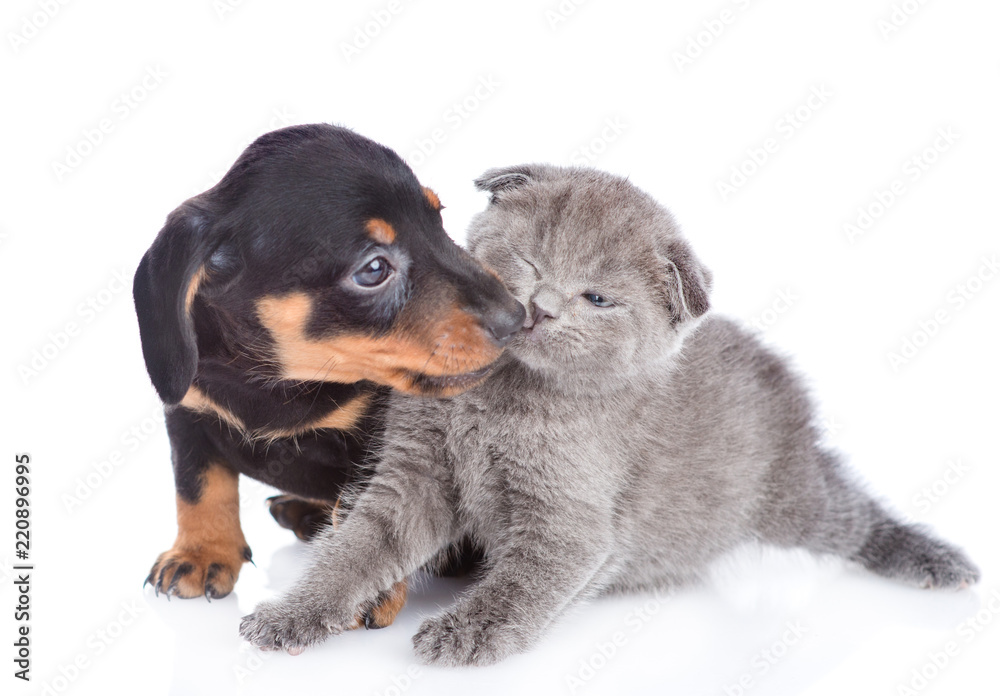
x=381 y=231
x=492 y=272
x=210 y=547
x=455 y=344
x=343 y=418
x=192 y=288
x=432 y=198
x=196 y=400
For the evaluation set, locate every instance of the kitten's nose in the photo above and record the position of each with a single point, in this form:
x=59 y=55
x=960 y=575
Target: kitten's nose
x=539 y=313
x=544 y=305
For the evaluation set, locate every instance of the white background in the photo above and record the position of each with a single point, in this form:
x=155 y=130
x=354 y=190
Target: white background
x=217 y=76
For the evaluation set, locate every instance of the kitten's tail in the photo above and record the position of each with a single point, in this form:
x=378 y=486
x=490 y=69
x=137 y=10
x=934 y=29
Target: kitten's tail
x=822 y=508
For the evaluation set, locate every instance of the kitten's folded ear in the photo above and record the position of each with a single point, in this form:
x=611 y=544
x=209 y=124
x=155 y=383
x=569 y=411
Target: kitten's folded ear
x=164 y=289
x=504 y=179
x=688 y=282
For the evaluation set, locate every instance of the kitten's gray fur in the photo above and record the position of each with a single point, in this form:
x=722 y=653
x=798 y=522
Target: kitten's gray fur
x=614 y=448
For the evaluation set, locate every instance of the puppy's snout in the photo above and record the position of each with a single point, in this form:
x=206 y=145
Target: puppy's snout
x=500 y=316
x=503 y=322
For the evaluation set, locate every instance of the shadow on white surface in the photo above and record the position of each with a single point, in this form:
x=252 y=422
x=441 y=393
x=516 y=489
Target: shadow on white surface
x=770 y=622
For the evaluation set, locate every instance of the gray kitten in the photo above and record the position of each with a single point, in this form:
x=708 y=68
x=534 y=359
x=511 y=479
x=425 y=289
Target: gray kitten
x=623 y=442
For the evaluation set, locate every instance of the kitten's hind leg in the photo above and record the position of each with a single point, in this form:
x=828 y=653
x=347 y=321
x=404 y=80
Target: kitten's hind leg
x=911 y=554
x=817 y=505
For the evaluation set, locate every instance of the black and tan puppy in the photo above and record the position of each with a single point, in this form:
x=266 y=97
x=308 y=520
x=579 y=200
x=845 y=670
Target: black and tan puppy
x=276 y=310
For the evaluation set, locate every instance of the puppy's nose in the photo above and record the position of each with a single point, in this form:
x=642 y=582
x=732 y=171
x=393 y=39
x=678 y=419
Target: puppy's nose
x=503 y=323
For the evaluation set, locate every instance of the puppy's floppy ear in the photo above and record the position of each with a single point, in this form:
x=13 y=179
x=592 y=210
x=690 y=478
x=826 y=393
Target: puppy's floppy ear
x=688 y=282
x=164 y=289
x=503 y=179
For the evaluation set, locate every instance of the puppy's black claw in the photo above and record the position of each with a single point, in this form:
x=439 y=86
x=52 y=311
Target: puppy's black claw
x=211 y=591
x=162 y=575
x=182 y=570
x=370 y=623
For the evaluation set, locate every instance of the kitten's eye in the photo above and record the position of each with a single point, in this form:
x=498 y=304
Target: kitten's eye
x=373 y=273
x=538 y=274
x=598 y=300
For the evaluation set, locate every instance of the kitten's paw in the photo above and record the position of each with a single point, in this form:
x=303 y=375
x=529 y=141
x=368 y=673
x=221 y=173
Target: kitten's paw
x=455 y=639
x=911 y=554
x=290 y=626
x=946 y=568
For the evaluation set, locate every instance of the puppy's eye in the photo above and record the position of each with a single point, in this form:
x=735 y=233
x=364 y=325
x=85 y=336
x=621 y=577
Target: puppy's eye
x=598 y=300
x=373 y=273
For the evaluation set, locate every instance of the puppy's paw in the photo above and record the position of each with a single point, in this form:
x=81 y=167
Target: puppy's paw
x=456 y=639
x=306 y=518
x=383 y=610
x=290 y=625
x=210 y=570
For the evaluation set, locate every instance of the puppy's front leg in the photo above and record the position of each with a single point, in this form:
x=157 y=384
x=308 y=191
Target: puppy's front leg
x=400 y=521
x=210 y=547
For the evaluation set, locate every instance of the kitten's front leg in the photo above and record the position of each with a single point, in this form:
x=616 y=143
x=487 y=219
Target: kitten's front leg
x=400 y=521
x=527 y=587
